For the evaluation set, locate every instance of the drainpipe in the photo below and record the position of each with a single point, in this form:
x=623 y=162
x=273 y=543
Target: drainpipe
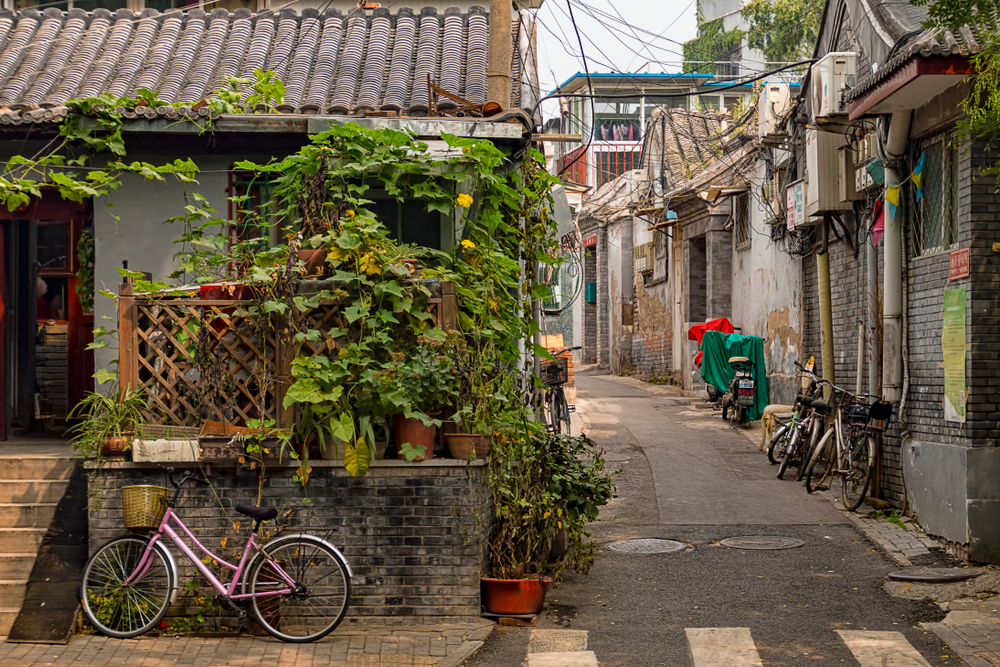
x=603 y=299
x=871 y=266
x=892 y=311
x=498 y=65
x=825 y=309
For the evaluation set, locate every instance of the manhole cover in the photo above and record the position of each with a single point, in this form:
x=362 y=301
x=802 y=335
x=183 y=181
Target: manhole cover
x=647 y=546
x=617 y=457
x=935 y=575
x=762 y=542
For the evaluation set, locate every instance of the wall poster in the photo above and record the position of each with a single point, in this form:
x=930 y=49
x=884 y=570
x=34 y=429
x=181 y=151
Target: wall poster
x=953 y=346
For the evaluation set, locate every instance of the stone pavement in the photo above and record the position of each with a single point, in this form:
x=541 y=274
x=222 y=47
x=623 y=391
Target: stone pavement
x=424 y=646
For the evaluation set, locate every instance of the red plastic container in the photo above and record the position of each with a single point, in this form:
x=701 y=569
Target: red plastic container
x=514 y=596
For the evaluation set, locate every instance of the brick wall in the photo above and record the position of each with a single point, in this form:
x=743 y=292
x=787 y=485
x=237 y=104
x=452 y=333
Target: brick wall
x=652 y=353
x=589 y=309
x=408 y=531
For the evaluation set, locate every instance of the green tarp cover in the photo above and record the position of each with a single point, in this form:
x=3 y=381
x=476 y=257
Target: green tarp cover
x=717 y=348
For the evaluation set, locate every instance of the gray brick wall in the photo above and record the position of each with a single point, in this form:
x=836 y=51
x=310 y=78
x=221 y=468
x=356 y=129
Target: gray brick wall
x=409 y=531
x=652 y=354
x=589 y=309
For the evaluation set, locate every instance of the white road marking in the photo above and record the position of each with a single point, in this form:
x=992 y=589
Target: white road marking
x=560 y=648
x=722 y=647
x=567 y=659
x=882 y=649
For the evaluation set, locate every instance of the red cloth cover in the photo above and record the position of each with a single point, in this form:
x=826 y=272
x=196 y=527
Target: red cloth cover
x=697 y=332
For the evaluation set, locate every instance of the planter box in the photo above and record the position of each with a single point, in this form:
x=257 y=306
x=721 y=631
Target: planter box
x=165 y=451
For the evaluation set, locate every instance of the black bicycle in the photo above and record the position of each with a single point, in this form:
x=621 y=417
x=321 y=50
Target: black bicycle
x=555 y=374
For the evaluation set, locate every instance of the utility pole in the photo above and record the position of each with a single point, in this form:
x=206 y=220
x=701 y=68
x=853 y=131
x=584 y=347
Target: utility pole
x=498 y=65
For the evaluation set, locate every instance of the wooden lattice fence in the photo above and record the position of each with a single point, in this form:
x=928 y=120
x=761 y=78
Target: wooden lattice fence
x=200 y=359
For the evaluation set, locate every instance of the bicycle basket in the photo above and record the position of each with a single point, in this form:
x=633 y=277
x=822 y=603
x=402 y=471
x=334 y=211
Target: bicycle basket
x=144 y=506
x=555 y=372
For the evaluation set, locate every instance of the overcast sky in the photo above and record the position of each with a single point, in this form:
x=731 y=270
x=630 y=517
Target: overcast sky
x=617 y=37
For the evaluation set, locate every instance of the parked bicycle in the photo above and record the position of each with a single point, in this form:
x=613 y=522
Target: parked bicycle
x=555 y=374
x=789 y=441
x=298 y=585
x=848 y=449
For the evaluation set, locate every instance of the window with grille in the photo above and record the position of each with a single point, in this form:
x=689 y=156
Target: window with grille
x=612 y=164
x=660 y=251
x=933 y=220
x=252 y=211
x=741 y=221
x=551 y=277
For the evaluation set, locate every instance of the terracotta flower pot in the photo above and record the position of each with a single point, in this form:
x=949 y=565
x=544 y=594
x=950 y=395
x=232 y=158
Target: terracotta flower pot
x=462 y=445
x=116 y=446
x=315 y=260
x=514 y=596
x=414 y=432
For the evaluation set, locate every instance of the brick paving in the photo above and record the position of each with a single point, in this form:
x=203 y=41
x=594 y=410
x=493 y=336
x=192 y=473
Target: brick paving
x=372 y=647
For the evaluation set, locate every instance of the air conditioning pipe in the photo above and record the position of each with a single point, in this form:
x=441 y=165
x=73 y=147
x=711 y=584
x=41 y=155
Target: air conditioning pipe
x=892 y=281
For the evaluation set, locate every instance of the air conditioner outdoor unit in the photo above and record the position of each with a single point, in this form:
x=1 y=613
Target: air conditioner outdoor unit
x=643 y=254
x=832 y=76
x=822 y=172
x=774 y=102
x=636 y=178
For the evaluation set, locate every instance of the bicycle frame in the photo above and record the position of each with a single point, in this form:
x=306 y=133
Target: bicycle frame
x=166 y=529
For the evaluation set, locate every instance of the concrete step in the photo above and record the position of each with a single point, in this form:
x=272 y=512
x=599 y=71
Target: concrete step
x=21 y=540
x=30 y=491
x=7 y=616
x=17 y=565
x=18 y=515
x=12 y=592
x=36 y=468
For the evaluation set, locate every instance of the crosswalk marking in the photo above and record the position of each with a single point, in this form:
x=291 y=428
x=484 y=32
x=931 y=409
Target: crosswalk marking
x=881 y=649
x=559 y=648
x=565 y=659
x=722 y=647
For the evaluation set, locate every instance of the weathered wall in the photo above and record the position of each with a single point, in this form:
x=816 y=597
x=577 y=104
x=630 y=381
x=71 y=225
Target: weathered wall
x=409 y=531
x=766 y=302
x=652 y=333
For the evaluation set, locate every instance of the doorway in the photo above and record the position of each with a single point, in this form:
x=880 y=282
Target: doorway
x=45 y=365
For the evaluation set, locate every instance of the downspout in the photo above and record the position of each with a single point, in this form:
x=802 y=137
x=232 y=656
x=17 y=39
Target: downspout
x=498 y=66
x=871 y=266
x=892 y=309
x=826 y=309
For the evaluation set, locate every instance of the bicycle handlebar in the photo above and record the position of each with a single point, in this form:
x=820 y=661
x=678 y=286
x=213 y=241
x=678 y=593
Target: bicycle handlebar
x=567 y=349
x=188 y=475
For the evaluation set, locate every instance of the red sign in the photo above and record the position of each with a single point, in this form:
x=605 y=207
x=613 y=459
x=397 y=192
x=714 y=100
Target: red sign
x=959 y=265
x=589 y=241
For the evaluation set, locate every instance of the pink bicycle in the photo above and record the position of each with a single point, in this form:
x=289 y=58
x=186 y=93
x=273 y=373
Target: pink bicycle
x=298 y=585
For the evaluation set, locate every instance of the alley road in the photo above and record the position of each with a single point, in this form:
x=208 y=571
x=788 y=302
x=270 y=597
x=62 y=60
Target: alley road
x=689 y=477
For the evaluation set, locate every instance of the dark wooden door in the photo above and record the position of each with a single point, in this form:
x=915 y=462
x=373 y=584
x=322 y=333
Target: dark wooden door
x=4 y=411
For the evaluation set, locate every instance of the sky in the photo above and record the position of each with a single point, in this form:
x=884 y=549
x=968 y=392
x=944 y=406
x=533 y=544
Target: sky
x=618 y=36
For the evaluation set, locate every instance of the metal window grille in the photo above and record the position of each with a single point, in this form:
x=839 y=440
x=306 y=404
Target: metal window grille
x=741 y=221
x=612 y=164
x=253 y=217
x=551 y=277
x=933 y=221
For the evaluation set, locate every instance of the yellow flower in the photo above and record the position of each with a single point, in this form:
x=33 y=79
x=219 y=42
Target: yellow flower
x=464 y=200
x=466 y=243
x=349 y=214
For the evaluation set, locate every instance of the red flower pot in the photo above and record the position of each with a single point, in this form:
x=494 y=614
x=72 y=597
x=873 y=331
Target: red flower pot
x=462 y=445
x=514 y=596
x=414 y=432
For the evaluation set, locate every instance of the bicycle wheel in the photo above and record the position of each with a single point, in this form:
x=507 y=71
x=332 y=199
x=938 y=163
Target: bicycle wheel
x=820 y=468
x=808 y=445
x=121 y=611
x=562 y=413
x=776 y=448
x=857 y=473
x=554 y=406
x=793 y=438
x=323 y=589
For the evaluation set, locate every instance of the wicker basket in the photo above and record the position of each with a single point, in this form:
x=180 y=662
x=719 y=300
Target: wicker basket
x=555 y=372
x=144 y=506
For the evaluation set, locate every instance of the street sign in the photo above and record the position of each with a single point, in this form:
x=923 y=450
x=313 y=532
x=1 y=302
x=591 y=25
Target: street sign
x=589 y=241
x=959 y=265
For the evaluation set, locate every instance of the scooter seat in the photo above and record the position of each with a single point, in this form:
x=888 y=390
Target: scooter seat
x=738 y=360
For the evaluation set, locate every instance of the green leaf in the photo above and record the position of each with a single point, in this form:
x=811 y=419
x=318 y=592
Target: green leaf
x=96 y=345
x=357 y=457
x=275 y=307
x=104 y=375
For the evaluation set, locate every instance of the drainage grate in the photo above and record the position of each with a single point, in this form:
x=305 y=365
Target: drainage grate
x=935 y=575
x=762 y=542
x=647 y=546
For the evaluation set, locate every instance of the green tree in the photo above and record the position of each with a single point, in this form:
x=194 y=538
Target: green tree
x=713 y=43
x=783 y=30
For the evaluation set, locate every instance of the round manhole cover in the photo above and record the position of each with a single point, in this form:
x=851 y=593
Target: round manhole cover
x=762 y=542
x=617 y=457
x=935 y=575
x=647 y=546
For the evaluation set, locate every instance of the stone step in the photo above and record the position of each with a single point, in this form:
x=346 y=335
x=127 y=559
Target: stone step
x=30 y=491
x=17 y=565
x=17 y=515
x=36 y=468
x=20 y=540
x=7 y=616
x=12 y=592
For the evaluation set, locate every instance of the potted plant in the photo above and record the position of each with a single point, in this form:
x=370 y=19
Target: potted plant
x=109 y=423
x=417 y=385
x=477 y=400
x=542 y=483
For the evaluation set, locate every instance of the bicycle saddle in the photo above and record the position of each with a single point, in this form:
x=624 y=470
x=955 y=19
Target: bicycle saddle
x=821 y=407
x=258 y=513
x=805 y=401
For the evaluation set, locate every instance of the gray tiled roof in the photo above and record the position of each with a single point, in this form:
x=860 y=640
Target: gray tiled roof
x=330 y=63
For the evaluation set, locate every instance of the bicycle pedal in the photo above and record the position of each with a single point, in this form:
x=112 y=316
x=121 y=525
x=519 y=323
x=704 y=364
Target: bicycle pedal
x=571 y=407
